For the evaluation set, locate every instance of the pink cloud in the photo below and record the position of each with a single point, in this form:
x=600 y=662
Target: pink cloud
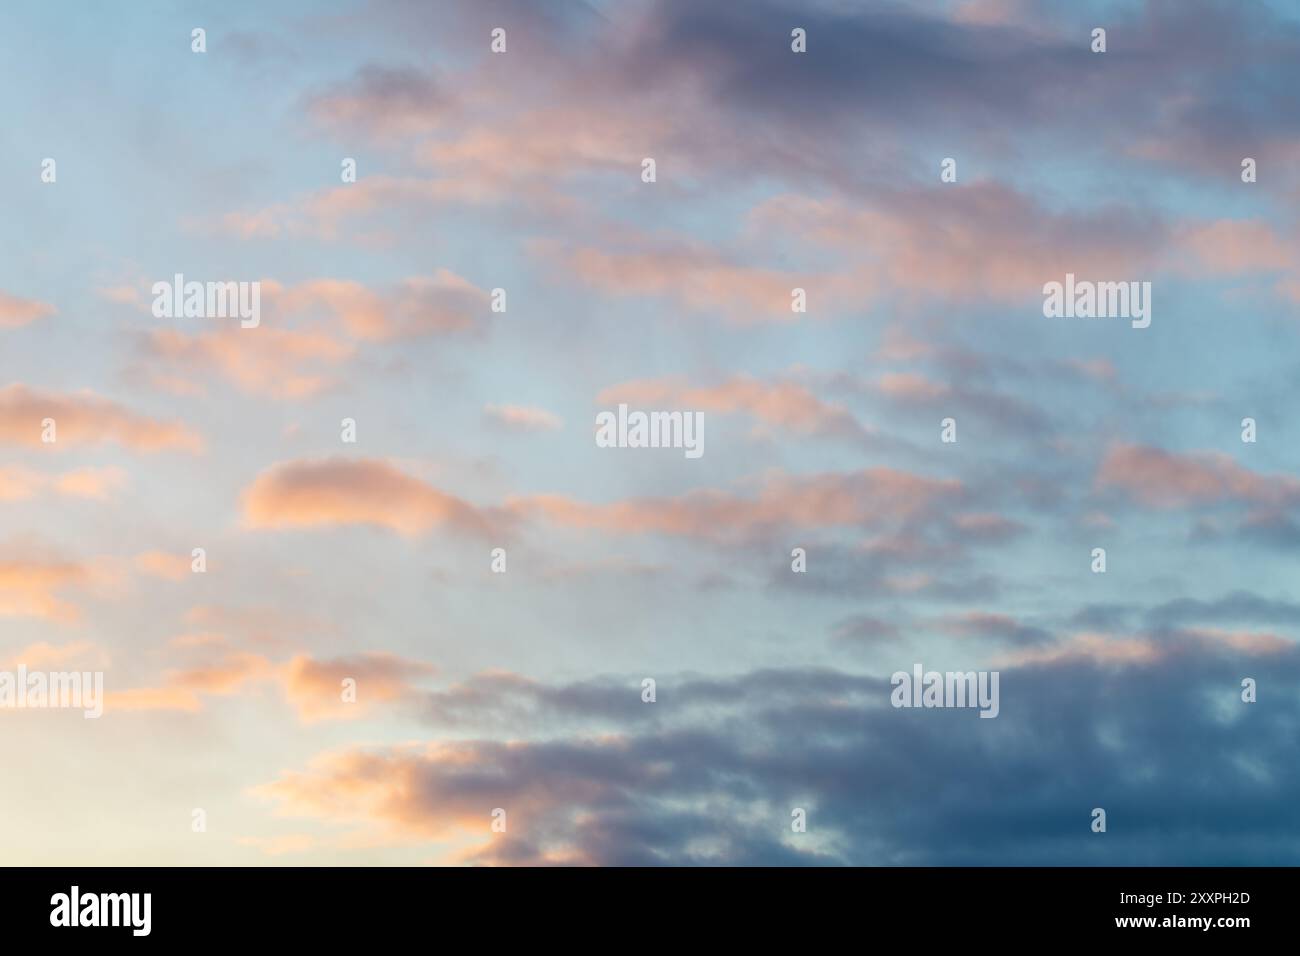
x=85 y=419
x=96 y=483
x=695 y=279
x=16 y=312
x=782 y=404
x=857 y=499
x=272 y=362
x=315 y=688
x=1166 y=479
x=522 y=417
x=30 y=587
x=343 y=491
x=173 y=567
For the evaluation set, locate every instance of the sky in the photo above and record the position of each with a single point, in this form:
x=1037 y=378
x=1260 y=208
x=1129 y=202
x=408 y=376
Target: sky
x=349 y=681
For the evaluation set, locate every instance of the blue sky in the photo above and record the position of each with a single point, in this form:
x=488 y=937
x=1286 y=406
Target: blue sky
x=369 y=561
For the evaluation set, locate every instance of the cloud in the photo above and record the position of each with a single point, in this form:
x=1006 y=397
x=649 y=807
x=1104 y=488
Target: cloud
x=169 y=698
x=1234 y=607
x=417 y=306
x=986 y=527
x=909 y=391
x=984 y=240
x=980 y=69
x=522 y=418
x=694 y=277
x=1237 y=247
x=185 y=690
x=860 y=631
x=776 y=171
x=45 y=656
x=345 y=491
x=531 y=154
x=159 y=564
x=1105 y=649
x=708 y=774
x=96 y=483
x=261 y=626
x=223 y=677
x=502 y=700
x=932 y=566
x=993 y=626
x=872 y=497
x=281 y=845
x=126 y=294
x=18 y=483
x=992 y=242
x=271 y=362
x=30 y=586
x=697 y=87
x=338 y=213
x=315 y=687
x=1164 y=479
x=310 y=332
x=382 y=101
x=85 y=419
x=16 y=312
x=786 y=405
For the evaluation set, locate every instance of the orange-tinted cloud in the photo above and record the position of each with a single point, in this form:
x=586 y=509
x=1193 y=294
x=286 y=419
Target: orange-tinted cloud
x=312 y=687
x=30 y=587
x=1233 y=247
x=315 y=687
x=309 y=331
x=929 y=243
x=984 y=240
x=281 y=845
x=18 y=483
x=419 y=305
x=332 y=214
x=910 y=387
x=696 y=278
x=788 y=405
x=223 y=677
x=42 y=655
x=522 y=417
x=166 y=698
x=533 y=146
x=350 y=491
x=860 y=498
x=126 y=294
x=84 y=419
x=96 y=483
x=184 y=690
x=262 y=626
x=1139 y=649
x=173 y=567
x=1166 y=479
x=273 y=362
x=387 y=795
x=16 y=312
x=383 y=102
